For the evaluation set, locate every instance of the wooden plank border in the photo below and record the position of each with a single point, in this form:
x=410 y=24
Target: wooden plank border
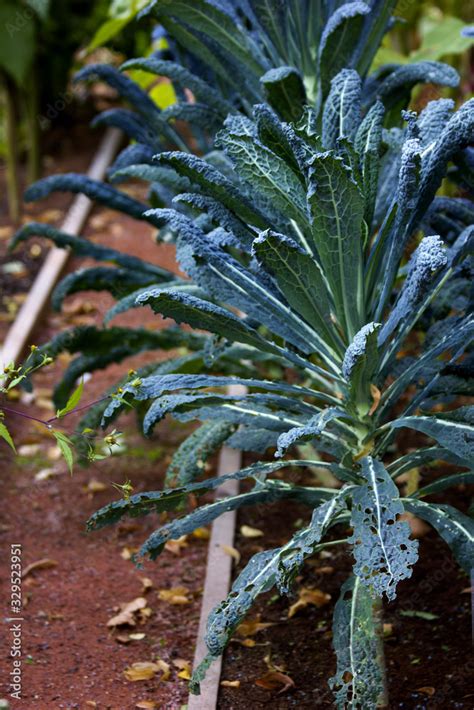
x=218 y=573
x=30 y=312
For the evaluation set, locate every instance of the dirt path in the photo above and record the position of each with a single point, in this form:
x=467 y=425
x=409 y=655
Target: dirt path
x=71 y=658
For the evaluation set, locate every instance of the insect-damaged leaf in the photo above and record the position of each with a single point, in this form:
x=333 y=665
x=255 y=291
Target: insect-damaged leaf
x=383 y=551
x=359 y=678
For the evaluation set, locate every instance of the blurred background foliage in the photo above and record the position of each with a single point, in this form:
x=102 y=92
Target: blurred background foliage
x=43 y=42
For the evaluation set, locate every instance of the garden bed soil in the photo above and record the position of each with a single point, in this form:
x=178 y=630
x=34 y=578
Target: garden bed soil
x=429 y=660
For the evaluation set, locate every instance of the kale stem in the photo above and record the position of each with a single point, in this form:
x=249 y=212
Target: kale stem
x=377 y=615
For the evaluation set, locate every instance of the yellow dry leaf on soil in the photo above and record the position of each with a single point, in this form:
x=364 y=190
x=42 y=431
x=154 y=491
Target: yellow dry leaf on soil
x=126 y=615
x=202 y=533
x=230 y=683
x=427 y=690
x=147 y=583
x=44 y=563
x=184 y=668
x=250 y=627
x=247 y=531
x=306 y=597
x=274 y=680
x=141 y=671
x=164 y=668
x=146 y=705
x=248 y=643
x=95 y=486
x=175 y=595
x=175 y=546
x=146 y=670
x=232 y=552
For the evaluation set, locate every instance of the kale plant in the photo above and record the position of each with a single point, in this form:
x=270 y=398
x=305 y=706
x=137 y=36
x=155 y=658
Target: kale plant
x=223 y=58
x=322 y=260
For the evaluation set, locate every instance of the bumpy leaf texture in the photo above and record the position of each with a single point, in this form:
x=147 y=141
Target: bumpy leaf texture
x=383 y=551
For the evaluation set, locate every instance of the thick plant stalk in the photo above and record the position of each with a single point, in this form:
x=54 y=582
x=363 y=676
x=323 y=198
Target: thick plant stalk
x=11 y=143
x=377 y=614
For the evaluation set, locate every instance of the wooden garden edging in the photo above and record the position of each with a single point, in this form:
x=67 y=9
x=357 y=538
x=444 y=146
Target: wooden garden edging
x=218 y=573
x=30 y=312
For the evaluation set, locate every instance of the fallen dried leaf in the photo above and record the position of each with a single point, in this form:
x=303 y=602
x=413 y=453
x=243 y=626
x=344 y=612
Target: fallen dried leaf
x=315 y=597
x=126 y=615
x=147 y=583
x=232 y=552
x=6 y=232
x=387 y=630
x=467 y=590
x=164 y=668
x=248 y=643
x=230 y=683
x=15 y=268
x=145 y=614
x=274 y=680
x=45 y=563
x=146 y=705
x=175 y=595
x=128 y=552
x=51 y=215
x=184 y=668
x=95 y=486
x=202 y=533
x=44 y=403
x=78 y=308
x=271 y=665
x=45 y=473
x=141 y=671
x=122 y=638
x=247 y=531
x=28 y=450
x=174 y=546
x=427 y=690
x=250 y=627
x=136 y=637
x=99 y=221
